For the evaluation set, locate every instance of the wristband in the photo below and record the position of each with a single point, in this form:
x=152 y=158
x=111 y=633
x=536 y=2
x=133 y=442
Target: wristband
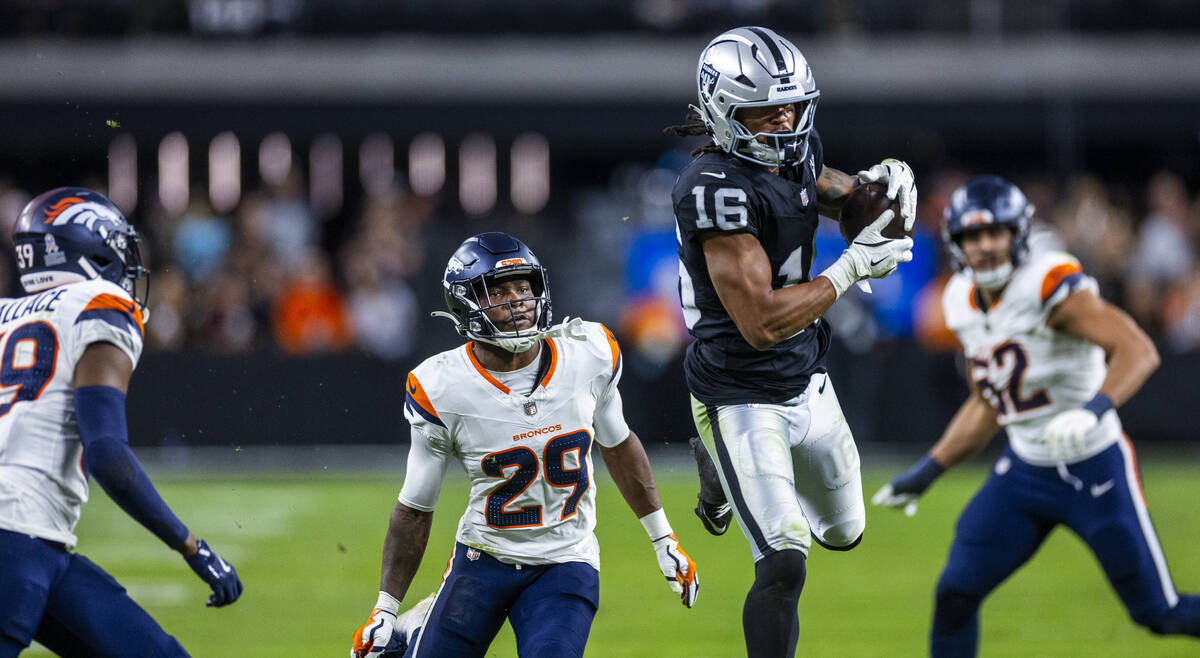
x=918 y=478
x=1099 y=404
x=387 y=603
x=840 y=274
x=656 y=525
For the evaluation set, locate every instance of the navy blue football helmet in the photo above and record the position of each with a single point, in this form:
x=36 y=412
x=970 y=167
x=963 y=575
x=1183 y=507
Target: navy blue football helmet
x=72 y=234
x=986 y=201
x=480 y=260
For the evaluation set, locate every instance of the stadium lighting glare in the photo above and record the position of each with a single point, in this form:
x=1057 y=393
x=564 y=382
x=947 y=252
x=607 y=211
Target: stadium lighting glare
x=477 y=174
x=427 y=164
x=122 y=172
x=530 y=173
x=224 y=172
x=173 y=176
x=377 y=164
x=325 y=174
x=275 y=158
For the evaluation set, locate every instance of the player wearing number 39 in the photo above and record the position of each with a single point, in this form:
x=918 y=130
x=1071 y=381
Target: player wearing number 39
x=1036 y=336
x=519 y=407
x=747 y=209
x=69 y=349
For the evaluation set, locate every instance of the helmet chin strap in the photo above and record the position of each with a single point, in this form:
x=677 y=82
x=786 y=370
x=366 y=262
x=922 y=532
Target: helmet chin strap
x=569 y=328
x=993 y=278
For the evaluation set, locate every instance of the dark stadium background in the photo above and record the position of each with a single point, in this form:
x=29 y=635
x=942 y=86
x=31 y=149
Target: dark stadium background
x=1050 y=94
x=291 y=160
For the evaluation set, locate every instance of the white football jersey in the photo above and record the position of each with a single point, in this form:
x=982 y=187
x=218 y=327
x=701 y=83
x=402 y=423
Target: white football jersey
x=527 y=454
x=43 y=336
x=1026 y=370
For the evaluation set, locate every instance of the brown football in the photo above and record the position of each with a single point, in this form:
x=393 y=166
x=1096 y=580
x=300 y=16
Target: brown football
x=864 y=205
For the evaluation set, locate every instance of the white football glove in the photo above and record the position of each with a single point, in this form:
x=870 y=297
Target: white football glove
x=887 y=497
x=870 y=255
x=901 y=186
x=678 y=568
x=372 y=638
x=1065 y=433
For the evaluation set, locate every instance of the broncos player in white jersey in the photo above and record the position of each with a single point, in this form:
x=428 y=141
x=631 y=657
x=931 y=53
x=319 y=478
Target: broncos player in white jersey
x=1036 y=336
x=68 y=350
x=746 y=210
x=519 y=408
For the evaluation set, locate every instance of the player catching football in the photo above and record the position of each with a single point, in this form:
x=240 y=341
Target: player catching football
x=1036 y=337
x=746 y=209
x=519 y=407
x=68 y=351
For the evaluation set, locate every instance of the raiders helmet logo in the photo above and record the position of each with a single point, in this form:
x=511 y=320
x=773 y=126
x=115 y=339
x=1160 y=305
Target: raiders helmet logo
x=708 y=78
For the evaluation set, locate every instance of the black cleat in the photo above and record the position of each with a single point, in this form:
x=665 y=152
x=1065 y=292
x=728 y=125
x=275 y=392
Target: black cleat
x=712 y=507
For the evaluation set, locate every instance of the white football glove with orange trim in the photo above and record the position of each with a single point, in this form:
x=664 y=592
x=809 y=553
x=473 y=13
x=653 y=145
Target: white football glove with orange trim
x=675 y=565
x=372 y=638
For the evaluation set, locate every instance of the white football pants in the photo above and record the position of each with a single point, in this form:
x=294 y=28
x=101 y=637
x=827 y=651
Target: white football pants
x=788 y=469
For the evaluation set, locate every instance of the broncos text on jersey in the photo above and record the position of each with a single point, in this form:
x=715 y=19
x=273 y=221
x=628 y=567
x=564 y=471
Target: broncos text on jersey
x=1026 y=370
x=717 y=193
x=42 y=483
x=527 y=454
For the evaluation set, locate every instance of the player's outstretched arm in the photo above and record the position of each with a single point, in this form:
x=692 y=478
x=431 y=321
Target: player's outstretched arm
x=1131 y=356
x=630 y=469
x=973 y=425
x=101 y=380
x=403 y=548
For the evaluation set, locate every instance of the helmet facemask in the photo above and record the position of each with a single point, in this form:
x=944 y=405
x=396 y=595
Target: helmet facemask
x=996 y=277
x=775 y=149
x=982 y=202
x=474 y=296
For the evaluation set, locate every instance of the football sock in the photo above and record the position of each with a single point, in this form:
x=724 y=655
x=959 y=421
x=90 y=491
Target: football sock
x=769 y=617
x=955 y=624
x=712 y=507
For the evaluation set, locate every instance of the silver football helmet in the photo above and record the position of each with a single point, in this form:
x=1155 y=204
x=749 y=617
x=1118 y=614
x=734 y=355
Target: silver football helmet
x=755 y=67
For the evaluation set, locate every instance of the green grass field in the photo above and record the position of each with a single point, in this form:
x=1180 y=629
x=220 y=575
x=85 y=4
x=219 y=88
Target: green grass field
x=307 y=547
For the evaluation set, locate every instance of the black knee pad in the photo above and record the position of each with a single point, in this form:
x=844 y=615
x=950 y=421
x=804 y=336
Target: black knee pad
x=955 y=607
x=782 y=572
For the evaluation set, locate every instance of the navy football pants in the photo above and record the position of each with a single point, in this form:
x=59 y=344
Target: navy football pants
x=1100 y=499
x=70 y=605
x=550 y=608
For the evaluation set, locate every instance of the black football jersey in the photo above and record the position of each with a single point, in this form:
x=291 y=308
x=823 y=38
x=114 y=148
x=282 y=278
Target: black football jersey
x=721 y=193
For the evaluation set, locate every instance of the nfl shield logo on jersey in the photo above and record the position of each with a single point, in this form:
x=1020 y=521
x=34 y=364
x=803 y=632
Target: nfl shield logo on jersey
x=472 y=554
x=530 y=408
x=804 y=197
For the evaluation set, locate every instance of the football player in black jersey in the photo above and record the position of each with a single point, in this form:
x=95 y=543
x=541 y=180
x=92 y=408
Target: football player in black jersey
x=746 y=210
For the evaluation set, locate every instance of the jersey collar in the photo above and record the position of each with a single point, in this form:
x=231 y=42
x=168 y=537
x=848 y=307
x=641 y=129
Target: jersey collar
x=543 y=381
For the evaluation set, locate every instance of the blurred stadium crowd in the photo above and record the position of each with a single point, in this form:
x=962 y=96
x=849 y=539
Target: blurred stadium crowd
x=271 y=275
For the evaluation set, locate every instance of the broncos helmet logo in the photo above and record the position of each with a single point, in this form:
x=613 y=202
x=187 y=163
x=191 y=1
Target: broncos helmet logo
x=73 y=210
